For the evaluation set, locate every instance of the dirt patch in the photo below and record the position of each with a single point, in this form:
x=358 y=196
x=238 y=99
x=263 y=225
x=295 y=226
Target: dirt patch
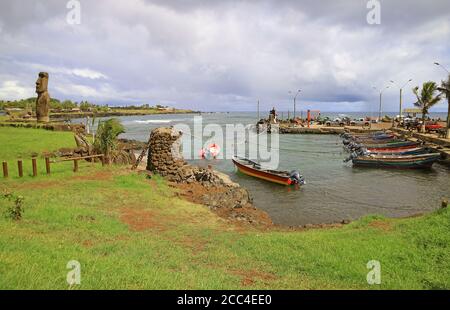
x=140 y=220
x=99 y=175
x=87 y=243
x=39 y=185
x=249 y=277
x=381 y=225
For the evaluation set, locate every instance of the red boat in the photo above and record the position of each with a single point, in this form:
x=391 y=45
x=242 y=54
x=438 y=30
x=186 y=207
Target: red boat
x=254 y=169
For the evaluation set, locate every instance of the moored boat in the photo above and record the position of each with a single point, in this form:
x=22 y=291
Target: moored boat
x=407 y=151
x=395 y=161
x=397 y=147
x=254 y=169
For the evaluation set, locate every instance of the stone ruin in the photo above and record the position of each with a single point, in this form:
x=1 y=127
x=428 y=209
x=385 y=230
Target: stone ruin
x=207 y=186
x=165 y=158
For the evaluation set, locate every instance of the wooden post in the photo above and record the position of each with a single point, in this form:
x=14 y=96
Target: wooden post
x=75 y=165
x=33 y=162
x=103 y=160
x=47 y=165
x=20 y=167
x=5 y=169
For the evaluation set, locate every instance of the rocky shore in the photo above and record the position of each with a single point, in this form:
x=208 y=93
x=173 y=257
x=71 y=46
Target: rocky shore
x=201 y=185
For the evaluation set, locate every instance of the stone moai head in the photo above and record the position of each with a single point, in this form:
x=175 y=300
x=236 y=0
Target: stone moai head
x=43 y=98
x=42 y=82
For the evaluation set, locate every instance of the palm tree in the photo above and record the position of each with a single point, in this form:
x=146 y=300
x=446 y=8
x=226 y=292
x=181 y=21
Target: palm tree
x=445 y=90
x=106 y=137
x=426 y=99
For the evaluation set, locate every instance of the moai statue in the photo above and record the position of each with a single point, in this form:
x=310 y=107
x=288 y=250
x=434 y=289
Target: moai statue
x=43 y=99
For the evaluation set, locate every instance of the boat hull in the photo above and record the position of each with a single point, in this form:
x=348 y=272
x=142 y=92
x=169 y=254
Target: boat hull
x=411 y=151
x=261 y=174
x=393 y=148
x=402 y=162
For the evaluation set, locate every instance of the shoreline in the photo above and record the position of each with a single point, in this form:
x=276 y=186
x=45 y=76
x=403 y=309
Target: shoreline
x=117 y=113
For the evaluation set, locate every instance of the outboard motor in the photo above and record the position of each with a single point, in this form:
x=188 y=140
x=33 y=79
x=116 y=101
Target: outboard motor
x=297 y=178
x=352 y=156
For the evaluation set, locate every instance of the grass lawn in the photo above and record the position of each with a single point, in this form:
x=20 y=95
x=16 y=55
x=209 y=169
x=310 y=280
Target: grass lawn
x=23 y=142
x=133 y=233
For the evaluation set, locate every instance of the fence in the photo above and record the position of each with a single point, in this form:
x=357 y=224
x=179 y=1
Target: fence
x=48 y=163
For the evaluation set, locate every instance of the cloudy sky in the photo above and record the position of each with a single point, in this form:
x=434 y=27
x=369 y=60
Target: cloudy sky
x=224 y=55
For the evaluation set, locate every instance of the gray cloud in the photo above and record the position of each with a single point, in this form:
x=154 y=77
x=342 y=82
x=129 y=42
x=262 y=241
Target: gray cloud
x=213 y=55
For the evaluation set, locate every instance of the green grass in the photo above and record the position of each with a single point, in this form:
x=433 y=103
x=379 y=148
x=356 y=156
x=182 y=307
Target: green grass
x=23 y=142
x=133 y=233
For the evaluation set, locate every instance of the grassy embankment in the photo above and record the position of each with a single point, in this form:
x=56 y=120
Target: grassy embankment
x=130 y=232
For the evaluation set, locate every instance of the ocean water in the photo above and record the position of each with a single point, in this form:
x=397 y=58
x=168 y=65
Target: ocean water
x=334 y=190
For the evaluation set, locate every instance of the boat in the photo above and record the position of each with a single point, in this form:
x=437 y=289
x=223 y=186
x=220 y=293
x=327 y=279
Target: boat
x=255 y=169
x=382 y=137
x=409 y=151
x=395 y=161
x=382 y=146
x=391 y=147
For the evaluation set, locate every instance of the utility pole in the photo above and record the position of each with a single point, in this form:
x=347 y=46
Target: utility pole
x=258 y=110
x=401 y=100
x=379 y=110
x=295 y=97
x=381 y=96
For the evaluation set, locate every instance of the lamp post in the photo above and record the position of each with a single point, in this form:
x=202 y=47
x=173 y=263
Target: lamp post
x=381 y=95
x=295 y=97
x=401 y=91
x=447 y=135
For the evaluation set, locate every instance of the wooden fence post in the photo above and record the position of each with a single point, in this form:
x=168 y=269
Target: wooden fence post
x=5 y=169
x=103 y=160
x=20 y=167
x=33 y=161
x=47 y=165
x=75 y=165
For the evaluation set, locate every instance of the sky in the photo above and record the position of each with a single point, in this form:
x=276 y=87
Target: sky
x=225 y=55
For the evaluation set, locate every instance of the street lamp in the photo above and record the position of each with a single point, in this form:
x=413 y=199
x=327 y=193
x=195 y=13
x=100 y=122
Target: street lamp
x=381 y=94
x=438 y=64
x=295 y=97
x=448 y=100
x=401 y=91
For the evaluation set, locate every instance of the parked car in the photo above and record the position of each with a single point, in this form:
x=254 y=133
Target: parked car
x=337 y=122
x=430 y=126
x=359 y=122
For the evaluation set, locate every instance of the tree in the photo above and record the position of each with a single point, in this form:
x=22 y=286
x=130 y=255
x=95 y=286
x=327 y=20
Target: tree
x=106 y=137
x=426 y=98
x=68 y=105
x=445 y=90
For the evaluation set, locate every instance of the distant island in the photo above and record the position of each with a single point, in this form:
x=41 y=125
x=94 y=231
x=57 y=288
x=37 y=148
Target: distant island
x=24 y=108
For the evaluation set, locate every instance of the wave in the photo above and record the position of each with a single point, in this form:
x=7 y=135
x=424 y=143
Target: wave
x=154 y=121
